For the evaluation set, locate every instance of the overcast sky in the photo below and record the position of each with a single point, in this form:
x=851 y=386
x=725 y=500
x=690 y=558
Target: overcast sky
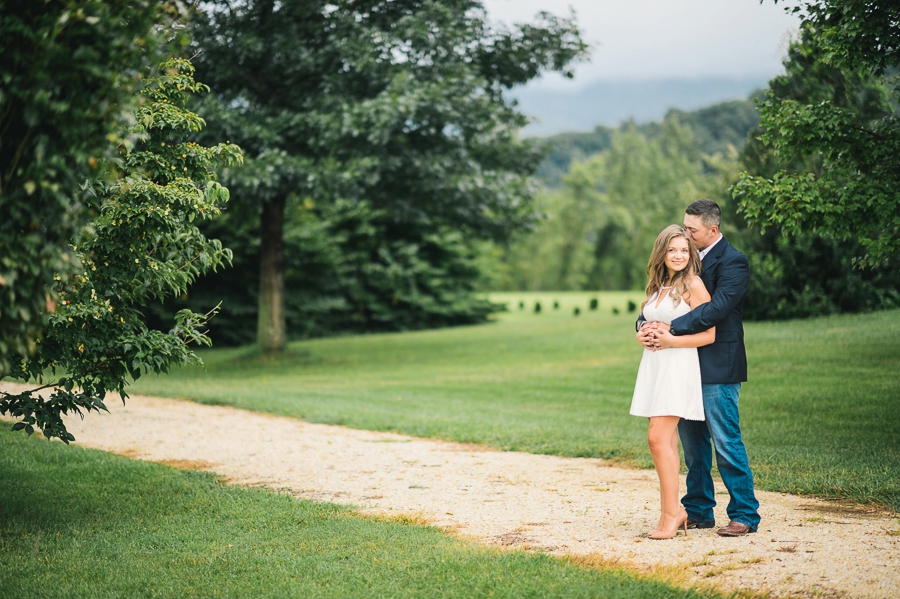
x=651 y=39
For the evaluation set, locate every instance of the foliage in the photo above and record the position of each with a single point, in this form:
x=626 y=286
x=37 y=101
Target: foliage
x=67 y=77
x=343 y=274
x=717 y=129
x=855 y=33
x=141 y=246
x=810 y=273
x=564 y=149
x=600 y=227
x=401 y=105
x=852 y=139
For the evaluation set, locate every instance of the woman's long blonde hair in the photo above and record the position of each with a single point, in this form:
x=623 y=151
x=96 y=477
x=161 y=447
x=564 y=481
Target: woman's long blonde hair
x=658 y=274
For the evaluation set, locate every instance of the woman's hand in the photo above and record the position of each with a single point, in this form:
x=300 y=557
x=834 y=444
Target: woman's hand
x=646 y=336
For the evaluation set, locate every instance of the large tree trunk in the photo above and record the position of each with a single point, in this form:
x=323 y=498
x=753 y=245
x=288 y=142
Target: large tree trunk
x=270 y=333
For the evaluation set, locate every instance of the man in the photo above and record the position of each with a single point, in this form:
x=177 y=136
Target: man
x=723 y=367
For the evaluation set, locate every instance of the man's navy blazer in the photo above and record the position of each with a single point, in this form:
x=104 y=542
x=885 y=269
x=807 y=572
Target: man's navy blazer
x=726 y=274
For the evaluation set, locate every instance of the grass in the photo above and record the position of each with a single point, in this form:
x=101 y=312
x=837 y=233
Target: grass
x=819 y=413
x=83 y=523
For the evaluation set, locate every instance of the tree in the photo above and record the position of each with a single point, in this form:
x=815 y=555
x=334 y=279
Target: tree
x=397 y=104
x=68 y=71
x=852 y=191
x=343 y=274
x=811 y=272
x=141 y=245
x=600 y=226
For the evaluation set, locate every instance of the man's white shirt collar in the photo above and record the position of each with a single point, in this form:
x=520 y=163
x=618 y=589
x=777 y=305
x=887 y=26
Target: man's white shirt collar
x=710 y=247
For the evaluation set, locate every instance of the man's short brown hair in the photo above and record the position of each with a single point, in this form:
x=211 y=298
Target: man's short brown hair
x=709 y=212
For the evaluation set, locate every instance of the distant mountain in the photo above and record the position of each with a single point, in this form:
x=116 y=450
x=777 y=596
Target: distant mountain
x=611 y=102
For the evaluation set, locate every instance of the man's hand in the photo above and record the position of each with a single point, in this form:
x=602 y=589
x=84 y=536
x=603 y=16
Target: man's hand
x=663 y=338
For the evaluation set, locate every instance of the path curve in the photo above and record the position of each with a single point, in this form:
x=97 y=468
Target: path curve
x=565 y=506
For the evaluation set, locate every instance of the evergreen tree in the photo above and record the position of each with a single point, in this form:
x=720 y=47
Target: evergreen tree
x=387 y=121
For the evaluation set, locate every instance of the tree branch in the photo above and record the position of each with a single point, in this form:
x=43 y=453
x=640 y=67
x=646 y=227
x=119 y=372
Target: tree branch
x=183 y=266
x=15 y=159
x=870 y=133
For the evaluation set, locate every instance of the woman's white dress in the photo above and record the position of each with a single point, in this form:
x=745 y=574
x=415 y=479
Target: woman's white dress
x=668 y=380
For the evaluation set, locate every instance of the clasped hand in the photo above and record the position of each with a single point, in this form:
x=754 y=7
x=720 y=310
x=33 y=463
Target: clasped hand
x=655 y=335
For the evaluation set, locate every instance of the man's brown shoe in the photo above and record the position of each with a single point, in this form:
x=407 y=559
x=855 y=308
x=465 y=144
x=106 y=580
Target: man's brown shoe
x=735 y=529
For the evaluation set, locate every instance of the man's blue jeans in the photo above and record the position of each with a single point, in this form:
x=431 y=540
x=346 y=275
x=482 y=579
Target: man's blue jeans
x=722 y=425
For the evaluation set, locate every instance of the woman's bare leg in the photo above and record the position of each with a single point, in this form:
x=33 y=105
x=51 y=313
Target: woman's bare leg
x=662 y=436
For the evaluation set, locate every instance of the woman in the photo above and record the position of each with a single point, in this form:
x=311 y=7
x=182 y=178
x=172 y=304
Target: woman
x=668 y=384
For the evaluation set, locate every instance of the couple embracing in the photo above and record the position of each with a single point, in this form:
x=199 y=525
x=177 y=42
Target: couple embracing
x=691 y=372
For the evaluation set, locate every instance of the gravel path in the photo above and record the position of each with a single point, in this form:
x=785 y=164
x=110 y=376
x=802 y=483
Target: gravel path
x=565 y=506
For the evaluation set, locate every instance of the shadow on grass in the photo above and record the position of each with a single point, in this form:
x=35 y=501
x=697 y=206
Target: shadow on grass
x=83 y=523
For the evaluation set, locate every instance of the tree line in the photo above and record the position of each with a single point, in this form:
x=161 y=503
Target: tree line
x=368 y=144
x=381 y=151
x=357 y=166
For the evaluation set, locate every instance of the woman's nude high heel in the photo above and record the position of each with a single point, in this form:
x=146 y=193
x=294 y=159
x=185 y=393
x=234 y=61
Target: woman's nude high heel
x=665 y=534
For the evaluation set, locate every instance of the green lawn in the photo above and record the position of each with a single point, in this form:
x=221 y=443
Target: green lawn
x=820 y=412
x=81 y=523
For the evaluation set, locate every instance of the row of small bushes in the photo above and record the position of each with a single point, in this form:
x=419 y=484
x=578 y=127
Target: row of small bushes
x=593 y=305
